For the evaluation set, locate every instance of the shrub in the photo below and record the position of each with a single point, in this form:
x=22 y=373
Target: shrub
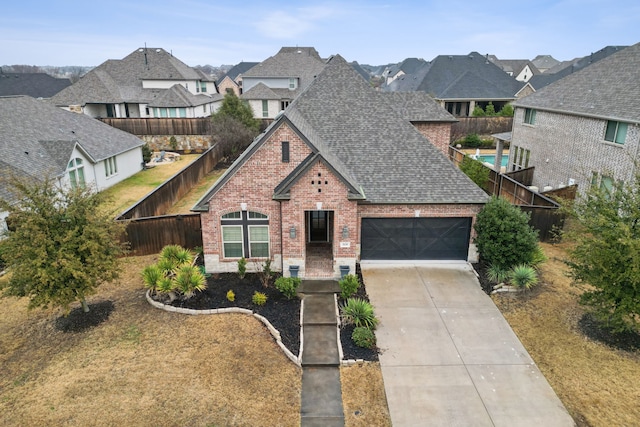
x=506 y=111
x=265 y=273
x=537 y=257
x=146 y=153
x=523 y=276
x=175 y=273
x=472 y=140
x=497 y=274
x=173 y=143
x=503 y=235
x=242 y=267
x=288 y=286
x=363 y=337
x=259 y=298
x=490 y=109
x=359 y=312
x=478 y=112
x=475 y=170
x=231 y=296
x=188 y=280
x=349 y=285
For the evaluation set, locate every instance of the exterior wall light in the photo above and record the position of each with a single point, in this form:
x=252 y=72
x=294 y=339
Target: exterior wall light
x=243 y=206
x=345 y=232
x=292 y=232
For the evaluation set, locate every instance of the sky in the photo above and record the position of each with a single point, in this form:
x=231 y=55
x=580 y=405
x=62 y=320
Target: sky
x=374 y=32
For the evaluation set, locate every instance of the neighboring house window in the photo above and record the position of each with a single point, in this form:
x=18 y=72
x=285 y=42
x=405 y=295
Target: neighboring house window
x=75 y=169
x=110 y=110
x=520 y=158
x=146 y=110
x=284 y=104
x=292 y=83
x=172 y=112
x=605 y=182
x=110 y=166
x=265 y=108
x=529 y=116
x=203 y=86
x=204 y=108
x=182 y=111
x=285 y=151
x=245 y=234
x=615 y=132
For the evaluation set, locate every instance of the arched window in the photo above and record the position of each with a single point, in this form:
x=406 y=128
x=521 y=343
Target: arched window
x=245 y=234
x=75 y=169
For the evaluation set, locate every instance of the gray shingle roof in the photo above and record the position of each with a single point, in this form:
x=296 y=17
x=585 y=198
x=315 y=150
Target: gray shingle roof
x=38 y=138
x=120 y=80
x=178 y=96
x=607 y=89
x=418 y=107
x=372 y=147
x=301 y=62
x=260 y=91
x=37 y=85
x=544 y=61
x=460 y=77
x=238 y=69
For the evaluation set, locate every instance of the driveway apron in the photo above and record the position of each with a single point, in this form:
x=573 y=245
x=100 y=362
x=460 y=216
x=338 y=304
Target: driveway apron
x=449 y=358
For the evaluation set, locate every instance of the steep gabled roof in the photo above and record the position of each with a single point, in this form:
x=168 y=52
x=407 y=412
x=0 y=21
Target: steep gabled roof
x=36 y=85
x=568 y=67
x=362 y=135
x=260 y=91
x=303 y=63
x=238 y=69
x=606 y=89
x=38 y=138
x=544 y=62
x=120 y=80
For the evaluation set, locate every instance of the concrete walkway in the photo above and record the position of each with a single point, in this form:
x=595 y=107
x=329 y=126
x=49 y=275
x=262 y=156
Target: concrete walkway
x=449 y=358
x=321 y=388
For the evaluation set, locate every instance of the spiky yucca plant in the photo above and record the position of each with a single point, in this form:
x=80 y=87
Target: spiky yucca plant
x=523 y=276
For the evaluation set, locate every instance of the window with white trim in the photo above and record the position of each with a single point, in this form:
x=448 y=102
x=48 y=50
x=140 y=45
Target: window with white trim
x=245 y=234
x=110 y=166
x=530 y=116
x=75 y=169
x=615 y=132
x=265 y=108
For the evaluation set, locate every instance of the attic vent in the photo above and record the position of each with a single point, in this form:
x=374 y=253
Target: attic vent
x=158 y=50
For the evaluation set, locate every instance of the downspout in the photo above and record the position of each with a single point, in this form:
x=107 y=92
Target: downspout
x=281 y=240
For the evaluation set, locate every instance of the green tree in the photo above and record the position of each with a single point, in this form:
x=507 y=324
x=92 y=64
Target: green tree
x=475 y=170
x=62 y=243
x=503 y=235
x=478 y=111
x=506 y=111
x=606 y=255
x=233 y=106
x=490 y=110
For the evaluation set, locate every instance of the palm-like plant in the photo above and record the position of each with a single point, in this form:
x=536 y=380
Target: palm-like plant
x=151 y=275
x=189 y=279
x=523 y=276
x=175 y=272
x=359 y=312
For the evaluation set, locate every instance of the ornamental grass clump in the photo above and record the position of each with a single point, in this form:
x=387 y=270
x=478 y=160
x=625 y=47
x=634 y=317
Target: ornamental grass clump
x=523 y=276
x=359 y=312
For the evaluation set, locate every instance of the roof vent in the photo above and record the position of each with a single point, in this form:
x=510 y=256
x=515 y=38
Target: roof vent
x=158 y=50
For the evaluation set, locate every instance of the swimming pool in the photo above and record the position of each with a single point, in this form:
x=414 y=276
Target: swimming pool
x=492 y=158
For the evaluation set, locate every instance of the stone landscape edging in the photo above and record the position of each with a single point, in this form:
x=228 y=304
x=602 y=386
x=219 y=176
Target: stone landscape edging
x=274 y=332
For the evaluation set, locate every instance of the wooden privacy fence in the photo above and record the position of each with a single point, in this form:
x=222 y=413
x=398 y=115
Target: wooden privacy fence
x=161 y=126
x=480 y=125
x=545 y=215
x=149 y=235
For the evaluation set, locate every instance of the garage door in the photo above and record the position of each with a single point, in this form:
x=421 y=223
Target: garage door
x=415 y=238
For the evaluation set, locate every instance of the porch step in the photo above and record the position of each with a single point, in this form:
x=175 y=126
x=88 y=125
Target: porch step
x=320 y=309
x=318 y=286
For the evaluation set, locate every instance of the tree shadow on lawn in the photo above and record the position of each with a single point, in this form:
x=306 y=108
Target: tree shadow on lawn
x=595 y=330
x=79 y=321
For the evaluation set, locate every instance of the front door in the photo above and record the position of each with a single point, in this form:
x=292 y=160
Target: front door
x=319 y=226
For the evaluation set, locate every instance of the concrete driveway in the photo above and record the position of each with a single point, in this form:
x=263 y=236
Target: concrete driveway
x=449 y=358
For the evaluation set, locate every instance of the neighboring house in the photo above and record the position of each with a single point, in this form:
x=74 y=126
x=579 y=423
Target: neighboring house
x=566 y=68
x=274 y=83
x=36 y=85
x=143 y=84
x=233 y=79
x=584 y=128
x=408 y=66
x=341 y=176
x=544 y=62
x=462 y=82
x=520 y=69
x=38 y=140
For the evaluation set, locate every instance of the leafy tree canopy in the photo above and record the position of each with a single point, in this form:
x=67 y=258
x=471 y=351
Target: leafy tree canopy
x=475 y=170
x=233 y=106
x=62 y=243
x=606 y=255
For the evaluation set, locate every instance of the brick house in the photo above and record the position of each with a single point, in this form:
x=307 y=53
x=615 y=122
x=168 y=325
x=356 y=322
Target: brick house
x=341 y=176
x=583 y=129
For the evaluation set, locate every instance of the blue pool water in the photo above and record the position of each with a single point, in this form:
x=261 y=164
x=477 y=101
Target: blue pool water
x=491 y=159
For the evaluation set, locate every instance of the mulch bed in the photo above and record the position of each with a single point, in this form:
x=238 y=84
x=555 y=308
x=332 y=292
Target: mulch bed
x=78 y=321
x=283 y=314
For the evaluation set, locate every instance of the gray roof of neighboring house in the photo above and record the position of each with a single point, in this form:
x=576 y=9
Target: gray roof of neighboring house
x=544 y=62
x=460 y=77
x=364 y=73
x=568 y=67
x=38 y=138
x=606 y=89
x=301 y=62
x=120 y=80
x=261 y=91
x=408 y=66
x=418 y=107
x=514 y=66
x=238 y=69
x=37 y=85
x=178 y=96
x=369 y=144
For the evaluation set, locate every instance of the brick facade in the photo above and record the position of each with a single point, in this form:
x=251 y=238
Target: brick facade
x=438 y=133
x=566 y=147
x=318 y=188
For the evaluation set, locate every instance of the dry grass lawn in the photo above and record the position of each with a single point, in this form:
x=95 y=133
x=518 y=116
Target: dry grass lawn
x=363 y=397
x=190 y=199
x=600 y=386
x=143 y=367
